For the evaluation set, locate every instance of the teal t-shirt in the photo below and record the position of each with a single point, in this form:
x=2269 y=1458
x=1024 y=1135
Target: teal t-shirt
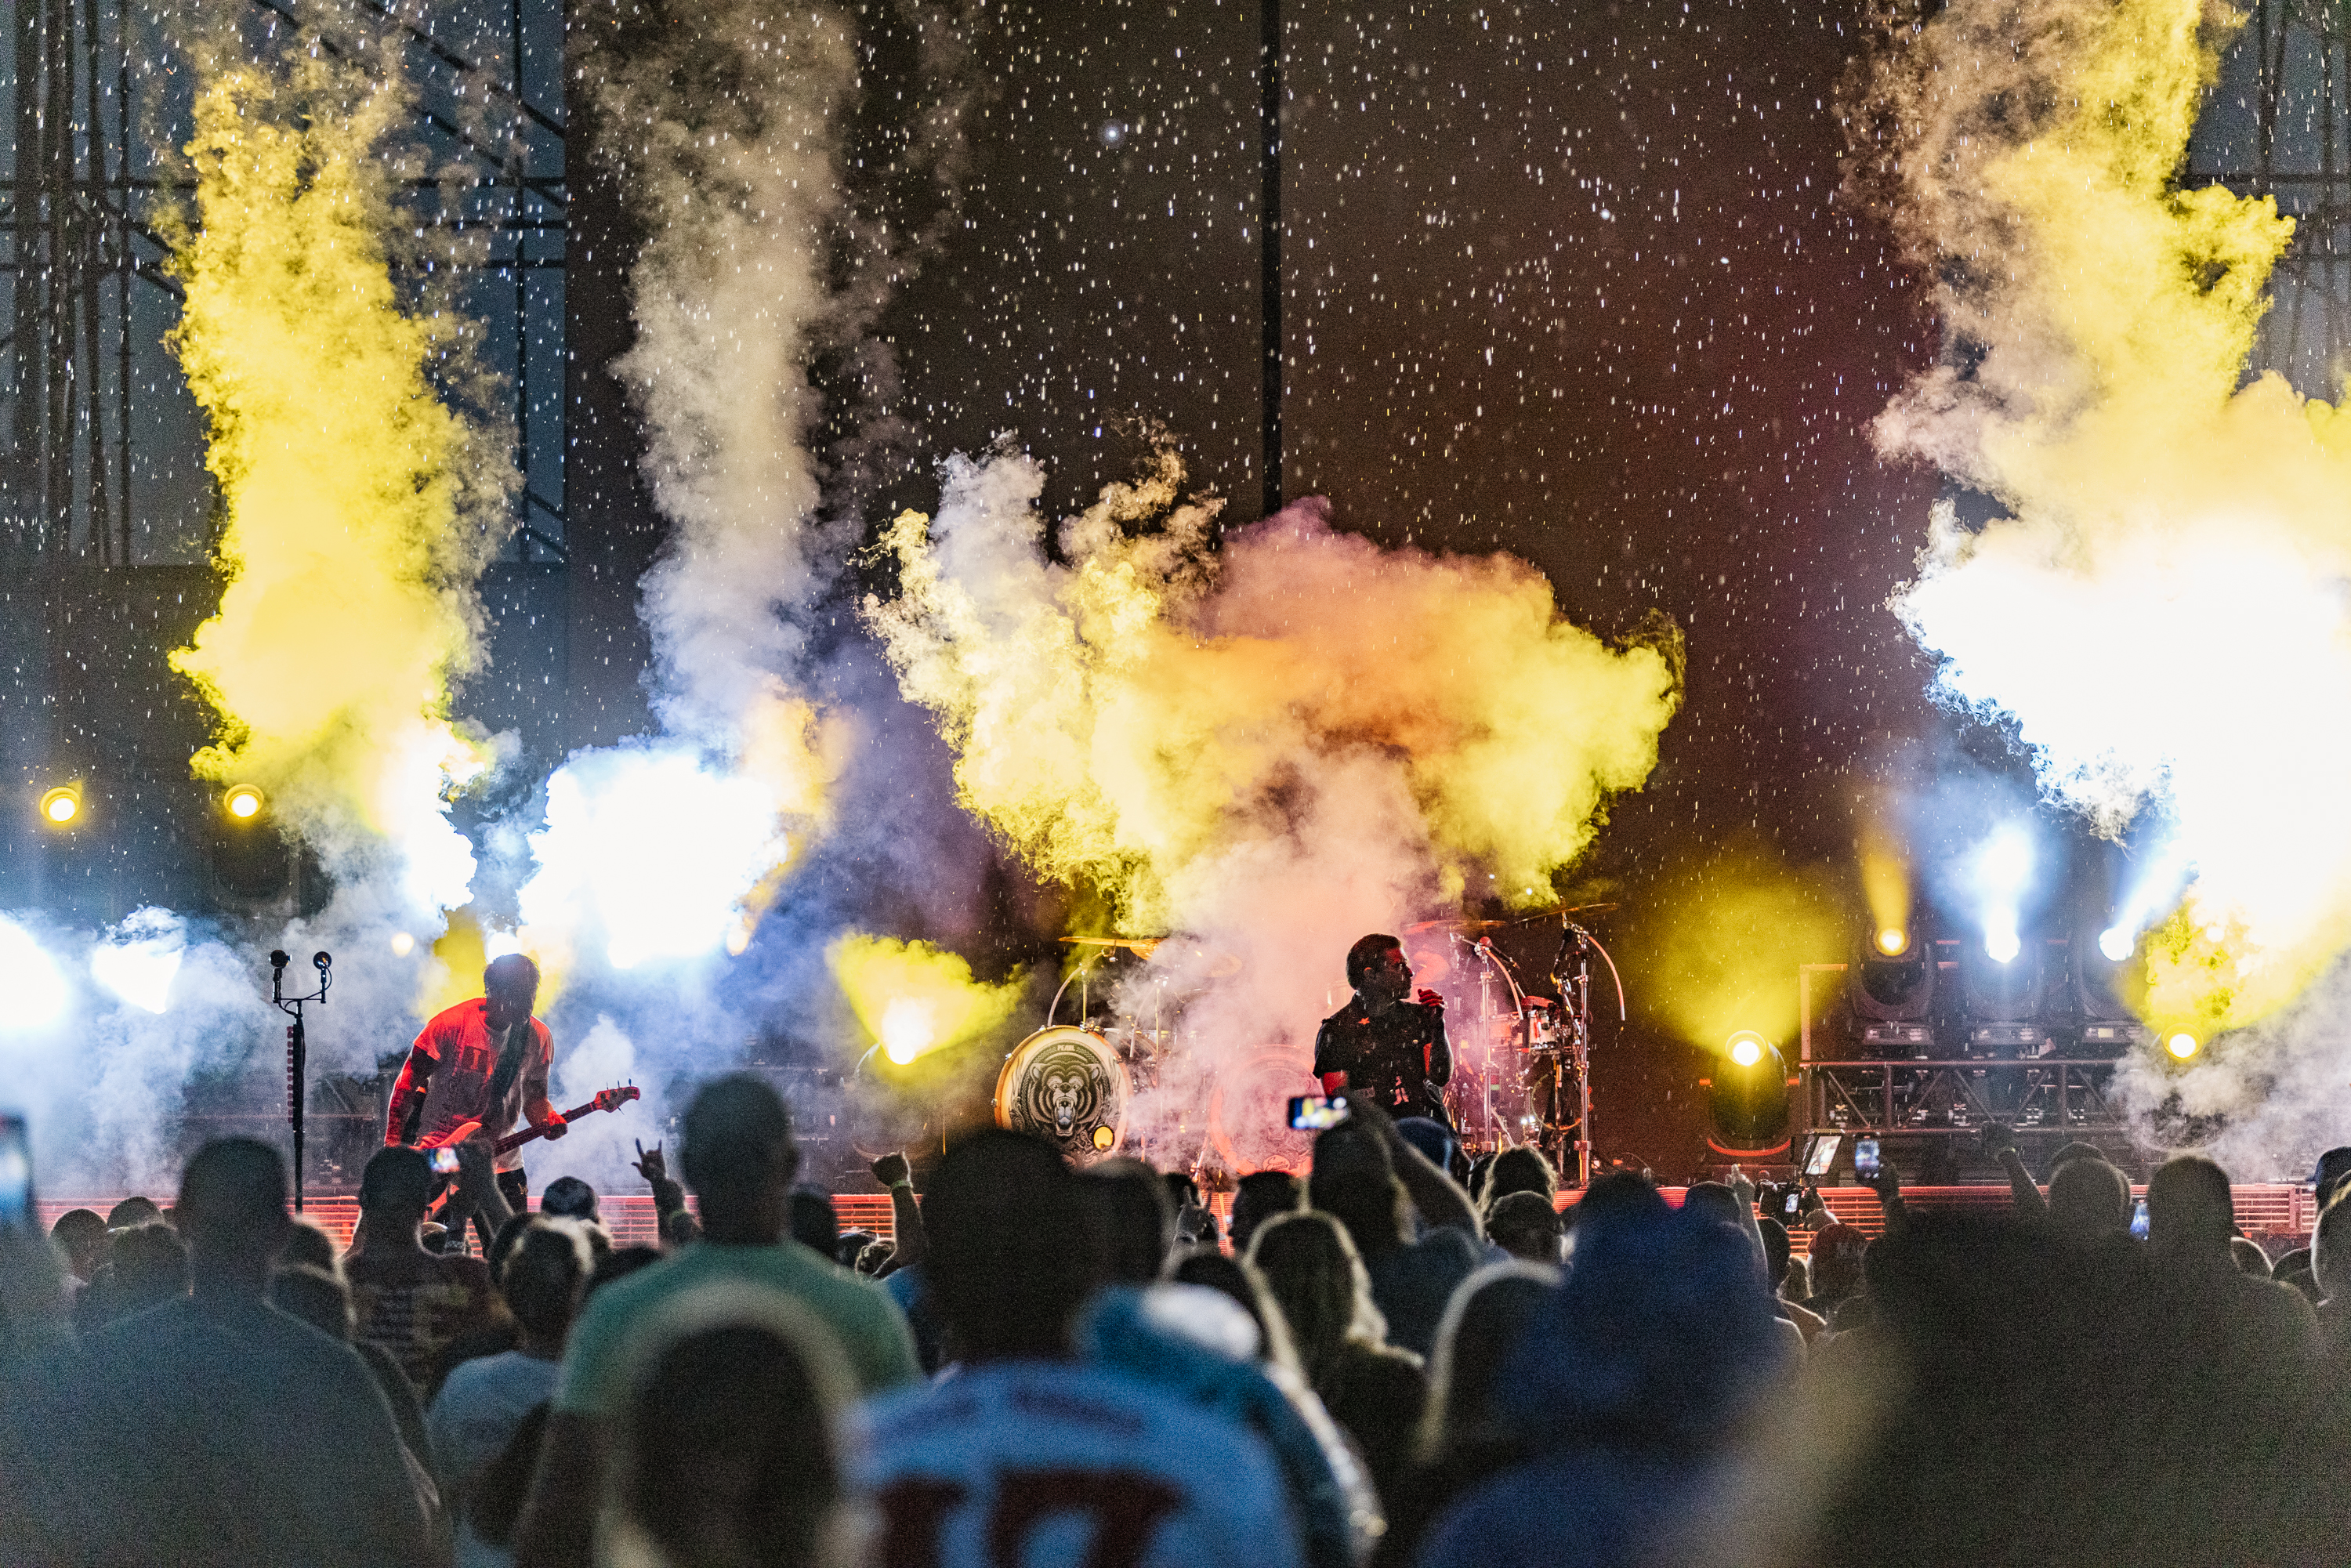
x=869 y=1328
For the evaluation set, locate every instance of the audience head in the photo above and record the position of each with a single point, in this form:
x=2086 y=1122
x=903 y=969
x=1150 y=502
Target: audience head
x=315 y=1295
x=1656 y=1340
x=2333 y=1171
x=394 y=1189
x=1712 y=1198
x=145 y=1266
x=1138 y=1224
x=307 y=1245
x=133 y=1212
x=2330 y=1251
x=1312 y=1271
x=724 y=1449
x=1628 y=1191
x=2071 y=1153
x=617 y=1264
x=1013 y=1246
x=739 y=1155
x=1234 y=1278
x=1479 y=1168
x=1355 y=1183
x=1526 y=1225
x=1836 y=1255
x=232 y=1210
x=815 y=1224
x=1481 y=1327
x=1519 y=1169
x=2248 y=1256
x=80 y=1237
x=1776 y=1249
x=541 y=1279
x=569 y=1198
x=2089 y=1198
x=1258 y=1197
x=2188 y=1207
x=1429 y=1139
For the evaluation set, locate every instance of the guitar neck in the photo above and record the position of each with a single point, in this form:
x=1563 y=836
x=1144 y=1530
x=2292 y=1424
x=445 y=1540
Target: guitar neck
x=513 y=1141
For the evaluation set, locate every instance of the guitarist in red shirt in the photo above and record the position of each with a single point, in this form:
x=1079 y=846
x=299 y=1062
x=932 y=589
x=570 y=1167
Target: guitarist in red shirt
x=484 y=1061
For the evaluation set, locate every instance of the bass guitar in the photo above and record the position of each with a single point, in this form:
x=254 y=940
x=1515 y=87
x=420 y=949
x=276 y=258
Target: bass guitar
x=605 y=1099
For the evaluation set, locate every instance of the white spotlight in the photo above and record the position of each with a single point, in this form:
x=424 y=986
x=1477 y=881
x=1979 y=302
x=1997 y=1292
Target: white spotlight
x=906 y=1030
x=2001 y=943
x=139 y=973
x=31 y=990
x=2116 y=944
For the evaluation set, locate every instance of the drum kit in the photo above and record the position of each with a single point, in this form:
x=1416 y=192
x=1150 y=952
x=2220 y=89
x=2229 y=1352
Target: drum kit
x=1521 y=1060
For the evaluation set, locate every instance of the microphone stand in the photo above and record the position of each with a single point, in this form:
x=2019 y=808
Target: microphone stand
x=297 y=1056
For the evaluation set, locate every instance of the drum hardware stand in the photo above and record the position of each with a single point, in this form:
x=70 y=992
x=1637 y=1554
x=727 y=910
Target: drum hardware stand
x=1575 y=991
x=298 y=1050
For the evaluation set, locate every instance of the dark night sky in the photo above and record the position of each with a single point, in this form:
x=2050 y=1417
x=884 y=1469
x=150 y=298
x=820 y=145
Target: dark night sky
x=1572 y=282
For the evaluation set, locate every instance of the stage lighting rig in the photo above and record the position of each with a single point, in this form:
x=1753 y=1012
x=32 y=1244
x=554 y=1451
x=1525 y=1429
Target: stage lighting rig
x=61 y=807
x=2000 y=1000
x=1747 y=1097
x=2182 y=1045
x=244 y=804
x=2097 y=977
x=1892 y=997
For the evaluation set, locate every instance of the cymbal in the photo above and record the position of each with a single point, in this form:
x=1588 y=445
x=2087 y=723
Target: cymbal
x=1142 y=947
x=1419 y=926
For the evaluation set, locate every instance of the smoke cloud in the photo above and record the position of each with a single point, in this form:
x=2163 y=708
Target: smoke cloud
x=2161 y=611
x=913 y=999
x=726 y=126
x=1267 y=749
x=359 y=506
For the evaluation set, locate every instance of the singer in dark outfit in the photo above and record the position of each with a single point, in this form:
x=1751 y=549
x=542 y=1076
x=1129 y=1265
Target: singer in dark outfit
x=1382 y=1047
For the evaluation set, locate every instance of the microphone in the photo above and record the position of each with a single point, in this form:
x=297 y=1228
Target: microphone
x=278 y=962
x=322 y=962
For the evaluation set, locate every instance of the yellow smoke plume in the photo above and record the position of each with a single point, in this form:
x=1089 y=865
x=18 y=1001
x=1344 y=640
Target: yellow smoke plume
x=1137 y=718
x=358 y=506
x=914 y=998
x=1718 y=942
x=2160 y=611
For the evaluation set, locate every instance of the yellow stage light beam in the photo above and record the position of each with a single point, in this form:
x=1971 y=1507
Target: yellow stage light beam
x=243 y=802
x=1746 y=1048
x=2182 y=1045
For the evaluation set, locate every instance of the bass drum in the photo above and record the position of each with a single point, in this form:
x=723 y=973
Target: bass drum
x=1067 y=1086
x=1249 y=1105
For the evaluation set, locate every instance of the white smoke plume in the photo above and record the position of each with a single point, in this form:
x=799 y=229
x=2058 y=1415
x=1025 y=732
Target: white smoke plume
x=2162 y=610
x=726 y=125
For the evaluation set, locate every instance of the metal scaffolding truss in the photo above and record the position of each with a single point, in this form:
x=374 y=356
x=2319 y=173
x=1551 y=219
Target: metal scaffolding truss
x=2278 y=124
x=105 y=465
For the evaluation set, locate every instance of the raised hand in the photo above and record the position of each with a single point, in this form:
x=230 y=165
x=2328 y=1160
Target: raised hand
x=1429 y=998
x=649 y=1164
x=891 y=1169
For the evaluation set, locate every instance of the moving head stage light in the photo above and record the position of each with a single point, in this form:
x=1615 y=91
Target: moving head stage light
x=1892 y=994
x=1747 y=1098
x=2000 y=1001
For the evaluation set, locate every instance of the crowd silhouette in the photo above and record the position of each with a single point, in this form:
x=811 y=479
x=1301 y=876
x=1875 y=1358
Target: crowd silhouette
x=1378 y=1364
